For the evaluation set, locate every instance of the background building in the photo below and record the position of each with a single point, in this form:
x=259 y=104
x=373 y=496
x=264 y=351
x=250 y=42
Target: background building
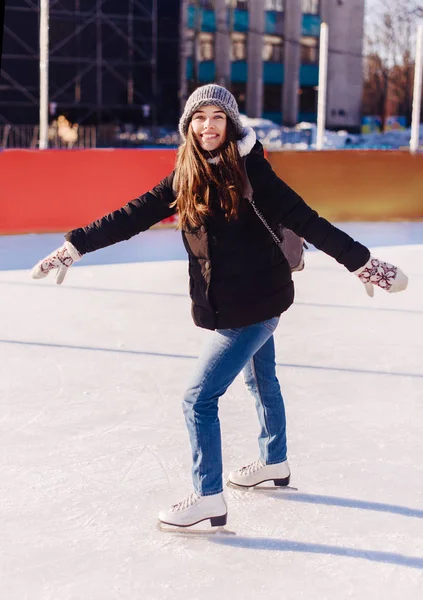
x=266 y=52
x=136 y=61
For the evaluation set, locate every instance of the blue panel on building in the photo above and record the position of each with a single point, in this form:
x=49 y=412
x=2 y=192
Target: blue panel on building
x=208 y=18
x=311 y=25
x=276 y=117
x=273 y=23
x=208 y=21
x=190 y=17
x=206 y=70
x=309 y=74
x=240 y=20
x=239 y=71
x=308 y=117
x=273 y=72
x=270 y=21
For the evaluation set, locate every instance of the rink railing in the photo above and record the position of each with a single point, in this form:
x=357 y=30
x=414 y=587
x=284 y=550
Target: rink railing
x=128 y=136
x=57 y=190
x=74 y=136
x=27 y=136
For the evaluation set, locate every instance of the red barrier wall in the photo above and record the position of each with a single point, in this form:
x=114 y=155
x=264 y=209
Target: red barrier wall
x=58 y=190
x=356 y=185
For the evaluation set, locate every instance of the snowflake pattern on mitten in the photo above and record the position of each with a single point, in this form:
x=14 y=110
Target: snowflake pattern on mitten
x=379 y=273
x=61 y=255
x=61 y=259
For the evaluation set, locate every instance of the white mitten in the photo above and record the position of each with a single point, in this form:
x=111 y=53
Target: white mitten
x=385 y=275
x=60 y=259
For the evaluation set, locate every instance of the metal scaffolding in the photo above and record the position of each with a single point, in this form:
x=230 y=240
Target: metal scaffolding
x=102 y=61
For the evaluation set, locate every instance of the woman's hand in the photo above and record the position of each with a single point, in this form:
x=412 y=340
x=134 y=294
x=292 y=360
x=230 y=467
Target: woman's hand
x=385 y=275
x=60 y=259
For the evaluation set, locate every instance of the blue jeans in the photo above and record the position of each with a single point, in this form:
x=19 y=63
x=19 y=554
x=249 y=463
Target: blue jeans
x=251 y=350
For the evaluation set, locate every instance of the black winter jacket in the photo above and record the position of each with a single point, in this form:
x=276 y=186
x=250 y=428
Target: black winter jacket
x=238 y=276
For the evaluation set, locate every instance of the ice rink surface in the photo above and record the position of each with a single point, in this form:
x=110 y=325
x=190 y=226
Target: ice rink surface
x=93 y=441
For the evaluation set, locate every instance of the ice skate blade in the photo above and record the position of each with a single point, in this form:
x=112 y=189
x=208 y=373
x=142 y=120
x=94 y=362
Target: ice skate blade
x=191 y=531
x=259 y=487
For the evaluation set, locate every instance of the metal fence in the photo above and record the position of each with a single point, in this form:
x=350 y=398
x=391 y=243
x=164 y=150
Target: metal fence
x=27 y=136
x=272 y=136
x=92 y=136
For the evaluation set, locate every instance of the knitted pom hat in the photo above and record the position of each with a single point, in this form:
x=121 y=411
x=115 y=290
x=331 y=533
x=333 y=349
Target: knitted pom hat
x=210 y=94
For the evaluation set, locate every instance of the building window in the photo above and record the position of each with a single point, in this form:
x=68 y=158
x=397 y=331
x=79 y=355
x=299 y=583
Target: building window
x=239 y=91
x=272 y=98
x=308 y=99
x=310 y=7
x=272 y=49
x=189 y=43
x=242 y=4
x=205 y=45
x=309 y=50
x=206 y=4
x=238 y=46
x=275 y=5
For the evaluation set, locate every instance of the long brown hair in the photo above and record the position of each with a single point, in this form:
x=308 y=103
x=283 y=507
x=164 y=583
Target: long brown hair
x=194 y=178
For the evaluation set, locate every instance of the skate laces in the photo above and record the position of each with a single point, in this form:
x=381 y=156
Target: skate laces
x=186 y=503
x=252 y=468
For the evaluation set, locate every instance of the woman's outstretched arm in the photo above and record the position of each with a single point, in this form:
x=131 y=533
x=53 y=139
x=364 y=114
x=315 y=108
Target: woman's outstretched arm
x=136 y=216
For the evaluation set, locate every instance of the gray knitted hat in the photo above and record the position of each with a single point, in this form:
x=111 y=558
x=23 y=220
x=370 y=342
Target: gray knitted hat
x=210 y=94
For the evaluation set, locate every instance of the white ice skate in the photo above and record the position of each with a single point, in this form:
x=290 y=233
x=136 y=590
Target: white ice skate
x=258 y=472
x=195 y=509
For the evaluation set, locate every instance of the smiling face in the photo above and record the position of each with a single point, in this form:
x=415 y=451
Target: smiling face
x=209 y=126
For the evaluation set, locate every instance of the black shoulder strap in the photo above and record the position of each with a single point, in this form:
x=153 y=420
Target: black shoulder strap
x=248 y=193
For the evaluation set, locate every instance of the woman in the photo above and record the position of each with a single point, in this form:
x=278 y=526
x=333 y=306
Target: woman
x=240 y=282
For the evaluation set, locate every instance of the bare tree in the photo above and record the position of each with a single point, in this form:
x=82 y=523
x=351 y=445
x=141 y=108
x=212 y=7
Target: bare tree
x=375 y=90
x=389 y=65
